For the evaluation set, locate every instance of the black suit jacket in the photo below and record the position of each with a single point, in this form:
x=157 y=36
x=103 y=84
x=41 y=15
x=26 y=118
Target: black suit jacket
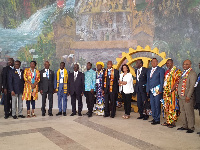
x=15 y=83
x=5 y=72
x=197 y=92
x=141 y=84
x=77 y=86
x=115 y=82
x=46 y=85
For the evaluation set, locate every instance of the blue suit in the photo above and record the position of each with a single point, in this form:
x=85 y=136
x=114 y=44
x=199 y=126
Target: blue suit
x=156 y=79
x=61 y=94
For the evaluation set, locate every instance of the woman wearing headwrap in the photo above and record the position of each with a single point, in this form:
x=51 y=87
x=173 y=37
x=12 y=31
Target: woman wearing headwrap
x=99 y=109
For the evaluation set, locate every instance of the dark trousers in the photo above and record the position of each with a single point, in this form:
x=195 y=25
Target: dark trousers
x=110 y=103
x=8 y=104
x=73 y=102
x=155 y=106
x=44 y=97
x=90 y=101
x=30 y=102
x=141 y=98
x=127 y=102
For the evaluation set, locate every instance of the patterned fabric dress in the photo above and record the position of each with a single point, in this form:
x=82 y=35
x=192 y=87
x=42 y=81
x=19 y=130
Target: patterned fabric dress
x=99 y=109
x=28 y=91
x=171 y=105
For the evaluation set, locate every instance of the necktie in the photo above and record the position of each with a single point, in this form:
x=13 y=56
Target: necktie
x=47 y=72
x=152 y=72
x=139 y=74
x=75 y=76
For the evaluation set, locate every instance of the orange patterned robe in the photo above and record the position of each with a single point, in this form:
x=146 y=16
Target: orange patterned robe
x=28 y=92
x=171 y=101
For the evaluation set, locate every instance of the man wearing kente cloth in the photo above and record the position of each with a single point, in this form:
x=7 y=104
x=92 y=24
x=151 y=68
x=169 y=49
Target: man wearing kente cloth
x=110 y=89
x=186 y=97
x=171 y=105
x=60 y=84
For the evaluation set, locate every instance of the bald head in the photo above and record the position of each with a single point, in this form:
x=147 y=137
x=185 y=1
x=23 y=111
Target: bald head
x=187 y=64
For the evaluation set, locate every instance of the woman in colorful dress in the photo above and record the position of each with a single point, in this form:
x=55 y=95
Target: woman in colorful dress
x=99 y=109
x=171 y=105
x=30 y=94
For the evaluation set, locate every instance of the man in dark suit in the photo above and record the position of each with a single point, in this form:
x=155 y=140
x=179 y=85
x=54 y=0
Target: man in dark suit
x=16 y=86
x=197 y=93
x=155 y=81
x=46 y=86
x=7 y=92
x=140 y=87
x=76 y=89
x=110 y=89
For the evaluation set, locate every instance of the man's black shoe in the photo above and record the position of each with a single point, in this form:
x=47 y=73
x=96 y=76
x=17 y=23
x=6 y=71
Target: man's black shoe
x=59 y=113
x=79 y=114
x=146 y=118
x=73 y=114
x=64 y=114
x=155 y=122
x=112 y=116
x=181 y=128
x=90 y=115
x=189 y=131
x=43 y=114
x=140 y=117
x=152 y=120
x=21 y=116
x=106 y=115
x=6 y=117
x=15 y=117
x=50 y=114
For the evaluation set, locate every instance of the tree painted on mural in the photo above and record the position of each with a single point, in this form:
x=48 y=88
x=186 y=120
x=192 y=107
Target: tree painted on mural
x=177 y=28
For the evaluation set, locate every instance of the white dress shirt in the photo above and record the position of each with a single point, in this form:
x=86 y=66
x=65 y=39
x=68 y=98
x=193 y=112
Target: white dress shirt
x=139 y=71
x=62 y=73
x=152 y=71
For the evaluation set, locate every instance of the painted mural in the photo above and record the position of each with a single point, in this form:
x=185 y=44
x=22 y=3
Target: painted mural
x=78 y=31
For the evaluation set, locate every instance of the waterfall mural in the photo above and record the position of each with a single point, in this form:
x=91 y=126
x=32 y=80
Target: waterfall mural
x=97 y=30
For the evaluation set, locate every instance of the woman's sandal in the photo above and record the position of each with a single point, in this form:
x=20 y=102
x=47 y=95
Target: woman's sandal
x=164 y=124
x=33 y=115
x=28 y=116
x=127 y=117
x=124 y=116
x=171 y=125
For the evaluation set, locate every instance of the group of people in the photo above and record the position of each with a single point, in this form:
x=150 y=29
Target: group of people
x=174 y=89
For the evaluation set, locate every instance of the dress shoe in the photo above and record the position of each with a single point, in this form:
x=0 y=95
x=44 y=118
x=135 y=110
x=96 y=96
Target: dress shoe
x=155 y=122
x=59 y=113
x=181 y=128
x=146 y=118
x=106 y=115
x=112 y=116
x=140 y=117
x=73 y=114
x=64 y=114
x=79 y=114
x=152 y=120
x=21 y=116
x=6 y=117
x=15 y=117
x=43 y=114
x=90 y=115
x=189 y=131
x=50 y=114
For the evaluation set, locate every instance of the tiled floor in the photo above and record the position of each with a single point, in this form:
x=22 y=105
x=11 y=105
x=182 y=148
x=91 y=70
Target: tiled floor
x=95 y=133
